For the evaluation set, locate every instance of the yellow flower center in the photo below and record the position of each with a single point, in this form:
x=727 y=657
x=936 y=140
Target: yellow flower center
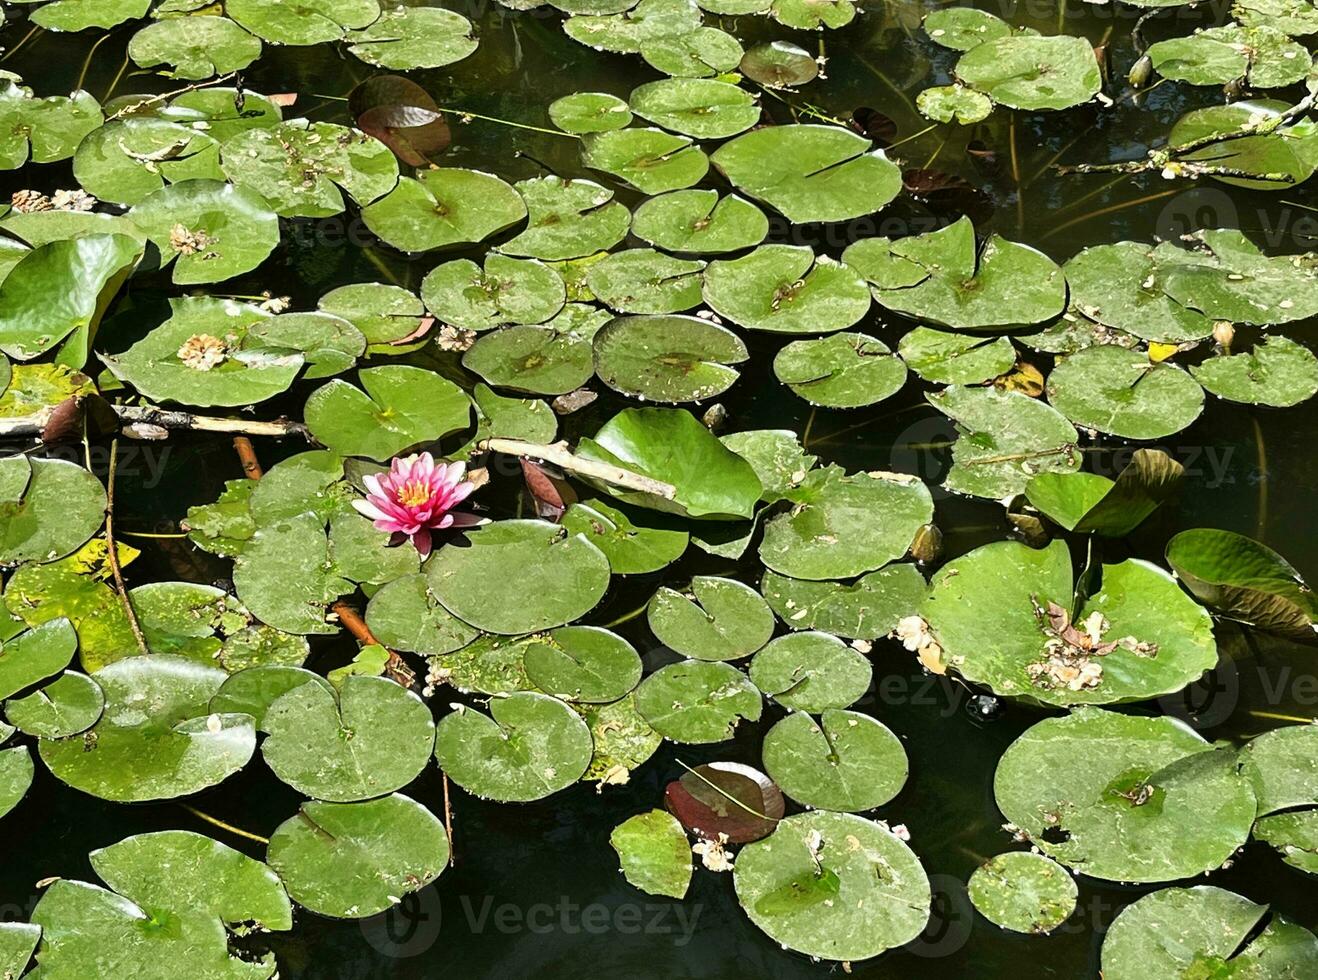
x=413 y=493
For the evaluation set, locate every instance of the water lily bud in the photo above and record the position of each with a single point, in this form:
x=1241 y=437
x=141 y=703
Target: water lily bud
x=928 y=544
x=715 y=417
x=1223 y=333
x=1140 y=72
x=1030 y=528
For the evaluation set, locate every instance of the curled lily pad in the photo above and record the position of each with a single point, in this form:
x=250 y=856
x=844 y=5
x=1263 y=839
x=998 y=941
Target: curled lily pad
x=1176 y=931
x=699 y=107
x=1088 y=502
x=311 y=22
x=700 y=221
x=954 y=103
x=866 y=609
x=1243 y=579
x=506 y=290
x=641 y=280
x=444 y=207
x=582 y=663
x=671 y=445
x=650 y=160
x=845 y=761
x=590 y=112
x=50 y=508
x=779 y=64
x=157 y=739
x=519 y=576
x=945 y=277
x=721 y=619
x=1023 y=892
x=352 y=860
x=654 y=853
x=1123 y=393
x=697 y=701
x=956 y=358
x=43 y=130
x=551 y=359
x=833 y=885
x=844 y=370
x=1030 y=72
x=811 y=672
x=786 y=289
x=667 y=358
x=194 y=47
x=1277 y=372
x=401 y=407
x=68 y=705
x=567 y=219
x=528 y=747
x=35 y=655
x=210 y=230
x=841 y=525
x=377 y=738
x=1125 y=798
x=414 y=37
x=810 y=173
x=1137 y=636
x=302 y=168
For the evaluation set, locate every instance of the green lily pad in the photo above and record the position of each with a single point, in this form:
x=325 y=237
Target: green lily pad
x=329 y=343
x=641 y=280
x=1278 y=372
x=962 y=28
x=385 y=314
x=701 y=53
x=286 y=577
x=376 y=739
x=35 y=655
x=1141 y=636
x=697 y=701
x=631 y=546
x=1023 y=892
x=567 y=219
x=582 y=664
x=1226 y=277
x=1294 y=836
x=1123 y=286
x=195 y=47
x=552 y=359
x=414 y=37
x=1275 y=159
x=589 y=112
x=1262 y=56
x=16 y=772
x=841 y=525
x=945 y=277
x=528 y=747
x=1176 y=932
x=845 y=370
x=833 y=885
x=721 y=619
x=776 y=456
x=672 y=446
x=786 y=289
x=1029 y=72
x=813 y=15
x=866 y=609
x=354 y=860
x=779 y=64
x=518 y=576
x=405 y=615
x=50 y=508
x=1124 y=798
x=1282 y=768
x=954 y=103
x=700 y=222
x=811 y=672
x=17 y=941
x=955 y=358
x=628 y=31
x=442 y=208
x=127 y=159
x=667 y=358
x=210 y=230
x=1295 y=18
x=810 y=173
x=254 y=690
x=310 y=22
x=59 y=292
x=623 y=740
x=43 y=130
x=654 y=853
x=33 y=388
x=1123 y=393
x=1086 y=502
x=650 y=160
x=506 y=291
x=703 y=108
x=401 y=407
x=157 y=739
x=846 y=761
x=1243 y=579
x=67 y=706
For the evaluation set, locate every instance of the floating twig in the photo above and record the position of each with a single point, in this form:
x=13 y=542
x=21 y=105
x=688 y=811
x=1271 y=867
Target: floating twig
x=559 y=454
x=113 y=550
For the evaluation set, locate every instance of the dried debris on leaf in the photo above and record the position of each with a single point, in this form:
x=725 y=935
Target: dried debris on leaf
x=1071 y=653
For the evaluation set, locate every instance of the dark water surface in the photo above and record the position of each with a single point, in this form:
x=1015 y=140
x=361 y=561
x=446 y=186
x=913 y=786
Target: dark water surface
x=536 y=889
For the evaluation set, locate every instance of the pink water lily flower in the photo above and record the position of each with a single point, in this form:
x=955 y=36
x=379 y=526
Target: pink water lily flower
x=416 y=497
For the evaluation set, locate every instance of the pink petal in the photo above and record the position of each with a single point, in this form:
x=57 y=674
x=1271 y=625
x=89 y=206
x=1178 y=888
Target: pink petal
x=368 y=508
x=423 y=542
x=462 y=519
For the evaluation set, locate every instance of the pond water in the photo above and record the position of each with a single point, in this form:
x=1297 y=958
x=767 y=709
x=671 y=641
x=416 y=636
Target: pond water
x=535 y=887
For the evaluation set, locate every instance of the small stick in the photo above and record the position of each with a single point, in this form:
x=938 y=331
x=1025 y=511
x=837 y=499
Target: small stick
x=560 y=455
x=448 y=820
x=217 y=822
x=247 y=456
x=33 y=425
x=114 y=552
x=396 y=668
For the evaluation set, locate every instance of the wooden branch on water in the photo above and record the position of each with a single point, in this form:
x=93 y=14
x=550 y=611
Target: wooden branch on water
x=145 y=416
x=558 y=454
